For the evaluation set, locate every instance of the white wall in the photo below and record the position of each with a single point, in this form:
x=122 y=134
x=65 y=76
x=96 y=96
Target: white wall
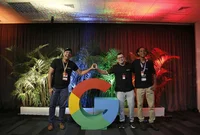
x=197 y=40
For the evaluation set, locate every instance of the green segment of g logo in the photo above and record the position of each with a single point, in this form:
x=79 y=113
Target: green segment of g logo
x=107 y=106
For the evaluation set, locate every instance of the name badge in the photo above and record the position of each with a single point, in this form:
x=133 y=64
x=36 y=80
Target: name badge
x=65 y=76
x=143 y=77
x=123 y=76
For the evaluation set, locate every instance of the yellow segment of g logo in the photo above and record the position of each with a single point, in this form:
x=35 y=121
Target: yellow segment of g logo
x=107 y=106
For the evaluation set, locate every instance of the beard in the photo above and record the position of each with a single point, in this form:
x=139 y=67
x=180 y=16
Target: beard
x=66 y=58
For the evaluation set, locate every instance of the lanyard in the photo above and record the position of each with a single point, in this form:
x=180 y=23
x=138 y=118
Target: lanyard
x=143 y=67
x=65 y=67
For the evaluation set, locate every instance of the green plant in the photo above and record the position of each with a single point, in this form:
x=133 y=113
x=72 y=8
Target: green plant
x=30 y=71
x=106 y=61
x=31 y=87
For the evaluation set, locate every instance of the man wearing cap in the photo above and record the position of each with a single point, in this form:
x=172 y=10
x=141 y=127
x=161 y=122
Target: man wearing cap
x=58 y=81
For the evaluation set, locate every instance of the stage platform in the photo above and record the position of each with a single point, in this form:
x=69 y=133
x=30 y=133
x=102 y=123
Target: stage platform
x=44 y=111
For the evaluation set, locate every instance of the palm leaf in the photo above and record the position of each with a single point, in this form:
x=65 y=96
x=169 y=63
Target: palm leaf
x=36 y=50
x=160 y=72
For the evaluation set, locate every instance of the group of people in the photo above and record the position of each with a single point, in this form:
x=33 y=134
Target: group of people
x=145 y=83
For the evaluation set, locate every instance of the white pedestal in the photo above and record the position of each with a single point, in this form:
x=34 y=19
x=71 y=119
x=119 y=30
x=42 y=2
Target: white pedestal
x=159 y=111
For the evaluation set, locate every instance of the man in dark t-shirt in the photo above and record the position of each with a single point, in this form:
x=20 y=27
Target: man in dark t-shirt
x=145 y=83
x=124 y=87
x=58 y=81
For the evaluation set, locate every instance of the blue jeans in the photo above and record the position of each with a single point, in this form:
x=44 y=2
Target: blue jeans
x=62 y=96
x=129 y=96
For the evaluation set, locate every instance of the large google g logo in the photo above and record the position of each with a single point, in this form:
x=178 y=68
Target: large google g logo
x=107 y=106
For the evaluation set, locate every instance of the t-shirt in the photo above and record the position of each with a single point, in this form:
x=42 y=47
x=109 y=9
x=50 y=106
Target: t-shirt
x=149 y=71
x=58 y=81
x=123 y=77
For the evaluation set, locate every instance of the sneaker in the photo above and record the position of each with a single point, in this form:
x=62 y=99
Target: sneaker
x=132 y=125
x=153 y=126
x=62 y=126
x=50 y=126
x=143 y=126
x=122 y=125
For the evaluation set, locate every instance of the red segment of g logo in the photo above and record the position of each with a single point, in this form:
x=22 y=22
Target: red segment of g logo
x=107 y=105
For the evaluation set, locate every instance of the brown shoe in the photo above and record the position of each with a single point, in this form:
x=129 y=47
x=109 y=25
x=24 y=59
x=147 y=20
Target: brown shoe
x=62 y=126
x=50 y=126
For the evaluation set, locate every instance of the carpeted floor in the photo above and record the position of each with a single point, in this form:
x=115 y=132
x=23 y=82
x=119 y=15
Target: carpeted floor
x=176 y=123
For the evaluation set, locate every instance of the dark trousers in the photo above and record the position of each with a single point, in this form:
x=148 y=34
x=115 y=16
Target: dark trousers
x=58 y=96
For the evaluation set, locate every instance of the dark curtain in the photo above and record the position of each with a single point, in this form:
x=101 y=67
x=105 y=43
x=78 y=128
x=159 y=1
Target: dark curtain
x=179 y=94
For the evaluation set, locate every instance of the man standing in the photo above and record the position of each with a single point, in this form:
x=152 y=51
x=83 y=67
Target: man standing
x=145 y=83
x=124 y=88
x=58 y=81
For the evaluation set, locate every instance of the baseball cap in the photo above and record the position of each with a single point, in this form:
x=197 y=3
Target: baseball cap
x=68 y=49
